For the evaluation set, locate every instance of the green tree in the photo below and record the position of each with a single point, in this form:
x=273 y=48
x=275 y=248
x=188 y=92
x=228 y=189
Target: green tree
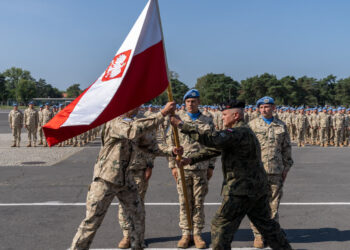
x=3 y=91
x=216 y=88
x=74 y=91
x=306 y=91
x=178 y=88
x=342 y=90
x=254 y=88
x=13 y=77
x=325 y=90
x=25 y=91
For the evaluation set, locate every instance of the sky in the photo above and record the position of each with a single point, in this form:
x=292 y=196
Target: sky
x=67 y=42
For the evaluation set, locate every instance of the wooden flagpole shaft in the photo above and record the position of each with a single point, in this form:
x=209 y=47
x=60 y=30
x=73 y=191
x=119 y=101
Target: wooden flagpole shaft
x=175 y=131
x=182 y=173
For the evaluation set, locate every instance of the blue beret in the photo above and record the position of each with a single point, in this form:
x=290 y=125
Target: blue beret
x=41 y=106
x=48 y=104
x=60 y=105
x=31 y=102
x=192 y=93
x=265 y=100
x=15 y=104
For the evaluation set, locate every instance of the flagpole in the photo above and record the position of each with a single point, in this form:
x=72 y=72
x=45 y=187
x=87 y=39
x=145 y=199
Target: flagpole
x=175 y=131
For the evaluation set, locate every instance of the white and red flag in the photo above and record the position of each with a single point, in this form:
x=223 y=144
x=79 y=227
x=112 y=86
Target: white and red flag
x=137 y=74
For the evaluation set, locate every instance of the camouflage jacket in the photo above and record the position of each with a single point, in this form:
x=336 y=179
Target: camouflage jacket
x=118 y=147
x=40 y=118
x=276 y=150
x=301 y=121
x=15 y=118
x=323 y=120
x=140 y=159
x=313 y=121
x=289 y=118
x=47 y=116
x=240 y=156
x=339 y=121
x=191 y=146
x=31 y=117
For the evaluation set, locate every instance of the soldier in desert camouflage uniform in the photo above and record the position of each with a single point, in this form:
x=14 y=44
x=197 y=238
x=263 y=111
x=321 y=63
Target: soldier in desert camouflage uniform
x=244 y=187
x=31 y=121
x=47 y=116
x=275 y=154
x=324 y=124
x=314 y=124
x=140 y=169
x=111 y=178
x=301 y=127
x=339 y=127
x=16 y=124
x=196 y=176
x=40 y=124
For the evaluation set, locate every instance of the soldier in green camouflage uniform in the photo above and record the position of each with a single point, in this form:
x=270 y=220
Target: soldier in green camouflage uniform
x=301 y=124
x=140 y=169
x=245 y=188
x=16 y=124
x=339 y=127
x=196 y=175
x=276 y=156
x=314 y=124
x=111 y=179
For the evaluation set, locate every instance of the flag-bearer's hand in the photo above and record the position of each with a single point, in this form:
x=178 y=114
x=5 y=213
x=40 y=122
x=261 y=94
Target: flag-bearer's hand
x=178 y=151
x=175 y=120
x=169 y=108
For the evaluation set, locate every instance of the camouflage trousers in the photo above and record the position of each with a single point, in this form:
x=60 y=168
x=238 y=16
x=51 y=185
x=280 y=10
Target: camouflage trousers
x=330 y=135
x=31 y=133
x=275 y=195
x=323 y=135
x=99 y=198
x=41 y=133
x=314 y=135
x=197 y=189
x=230 y=214
x=290 y=130
x=300 y=132
x=16 y=133
x=338 y=136
x=142 y=185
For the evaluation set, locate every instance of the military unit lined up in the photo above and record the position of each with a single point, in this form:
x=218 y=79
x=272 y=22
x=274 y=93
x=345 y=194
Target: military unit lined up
x=315 y=126
x=256 y=151
x=33 y=120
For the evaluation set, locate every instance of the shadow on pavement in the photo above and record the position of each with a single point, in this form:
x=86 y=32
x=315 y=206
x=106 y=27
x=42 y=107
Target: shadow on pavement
x=294 y=236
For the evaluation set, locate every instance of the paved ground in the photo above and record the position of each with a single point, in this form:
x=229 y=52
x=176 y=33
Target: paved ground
x=320 y=175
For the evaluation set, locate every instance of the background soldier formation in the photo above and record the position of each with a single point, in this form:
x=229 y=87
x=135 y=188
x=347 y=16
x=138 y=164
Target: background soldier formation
x=34 y=120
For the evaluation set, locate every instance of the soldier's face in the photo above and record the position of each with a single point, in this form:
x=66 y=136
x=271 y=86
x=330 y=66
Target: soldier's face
x=231 y=116
x=266 y=110
x=15 y=107
x=192 y=105
x=31 y=106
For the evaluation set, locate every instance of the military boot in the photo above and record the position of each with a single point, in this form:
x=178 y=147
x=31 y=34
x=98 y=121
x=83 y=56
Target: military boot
x=29 y=144
x=184 y=242
x=199 y=242
x=34 y=144
x=13 y=145
x=124 y=243
x=40 y=143
x=258 y=242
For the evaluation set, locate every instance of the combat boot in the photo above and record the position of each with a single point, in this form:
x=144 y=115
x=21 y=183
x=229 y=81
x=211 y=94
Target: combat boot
x=258 y=242
x=13 y=145
x=34 y=144
x=29 y=145
x=199 y=242
x=184 y=242
x=40 y=143
x=341 y=145
x=124 y=243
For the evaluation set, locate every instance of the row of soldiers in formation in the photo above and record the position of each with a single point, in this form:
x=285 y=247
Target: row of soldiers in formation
x=33 y=120
x=126 y=159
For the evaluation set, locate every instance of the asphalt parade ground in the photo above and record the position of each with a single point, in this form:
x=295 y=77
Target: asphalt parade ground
x=42 y=206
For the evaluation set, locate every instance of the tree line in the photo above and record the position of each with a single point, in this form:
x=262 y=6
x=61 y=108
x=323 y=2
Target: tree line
x=18 y=85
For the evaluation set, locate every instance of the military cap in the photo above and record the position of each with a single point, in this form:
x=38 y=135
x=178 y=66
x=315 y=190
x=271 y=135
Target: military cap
x=265 y=100
x=192 y=93
x=31 y=102
x=47 y=104
x=232 y=104
x=41 y=106
x=15 y=104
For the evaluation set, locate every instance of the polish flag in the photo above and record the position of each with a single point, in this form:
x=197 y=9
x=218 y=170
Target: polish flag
x=136 y=74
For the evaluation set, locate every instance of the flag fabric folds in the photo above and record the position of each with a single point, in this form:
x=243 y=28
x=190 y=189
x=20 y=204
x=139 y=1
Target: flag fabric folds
x=136 y=74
